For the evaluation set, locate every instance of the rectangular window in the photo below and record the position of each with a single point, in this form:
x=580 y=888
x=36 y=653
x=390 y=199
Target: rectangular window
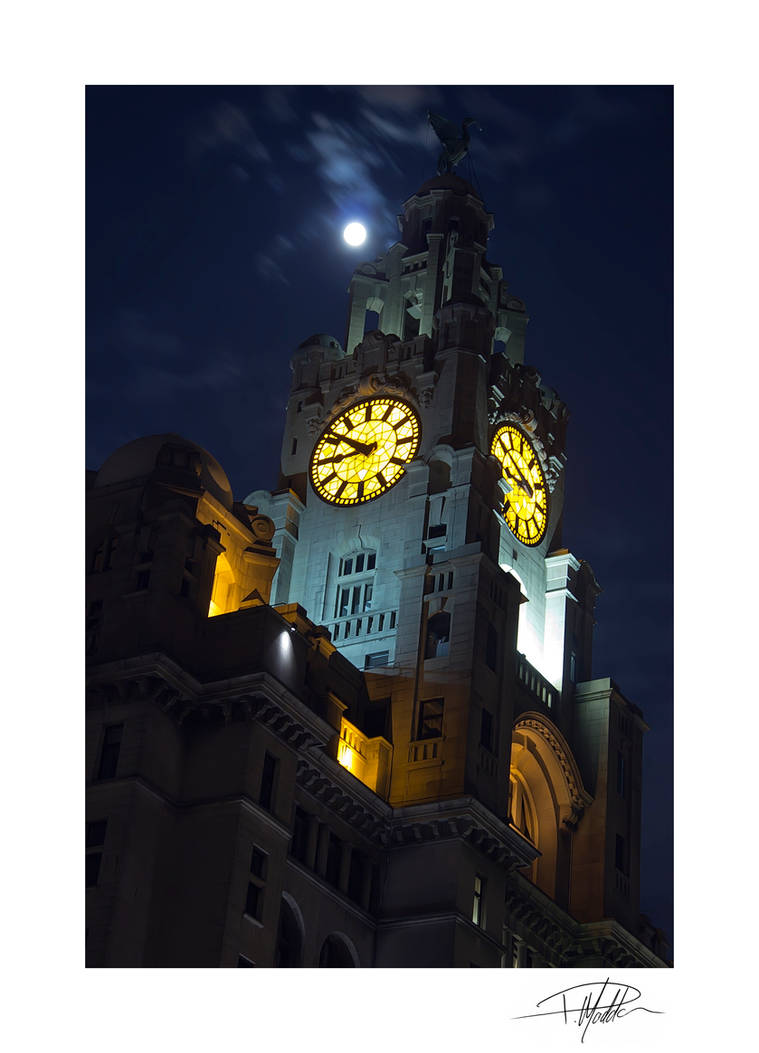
x=355 y=599
x=334 y=853
x=92 y=868
x=392 y=619
x=371 y=661
x=359 y=562
x=620 y=773
x=438 y=530
x=486 y=730
x=430 y=718
x=109 y=757
x=294 y=446
x=258 y=863
x=256 y=883
x=253 y=901
x=371 y=560
x=344 y=599
x=95 y=839
x=268 y=779
x=368 y=589
x=573 y=667
x=381 y=625
x=347 y=566
x=450 y=579
x=299 y=843
x=96 y=833
x=478 y=902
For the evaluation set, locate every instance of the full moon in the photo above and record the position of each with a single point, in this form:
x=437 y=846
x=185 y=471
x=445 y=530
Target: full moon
x=355 y=234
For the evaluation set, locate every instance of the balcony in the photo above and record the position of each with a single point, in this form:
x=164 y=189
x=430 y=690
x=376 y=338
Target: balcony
x=361 y=626
x=537 y=685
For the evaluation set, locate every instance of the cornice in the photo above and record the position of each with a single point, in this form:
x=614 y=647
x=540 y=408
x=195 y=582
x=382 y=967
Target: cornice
x=258 y=696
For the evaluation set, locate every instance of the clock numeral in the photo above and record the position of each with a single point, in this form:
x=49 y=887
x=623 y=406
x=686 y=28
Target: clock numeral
x=402 y=442
x=325 y=482
x=368 y=412
x=340 y=489
x=360 y=490
x=387 y=412
x=381 y=479
x=397 y=460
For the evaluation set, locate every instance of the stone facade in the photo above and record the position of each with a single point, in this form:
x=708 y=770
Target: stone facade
x=362 y=735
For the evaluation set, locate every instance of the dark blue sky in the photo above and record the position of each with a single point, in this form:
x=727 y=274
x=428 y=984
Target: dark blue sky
x=213 y=249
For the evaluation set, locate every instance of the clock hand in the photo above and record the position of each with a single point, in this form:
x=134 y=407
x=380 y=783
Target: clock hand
x=366 y=448
x=521 y=483
x=524 y=483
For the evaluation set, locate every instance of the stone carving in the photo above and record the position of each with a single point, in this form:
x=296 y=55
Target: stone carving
x=516 y=394
x=578 y=796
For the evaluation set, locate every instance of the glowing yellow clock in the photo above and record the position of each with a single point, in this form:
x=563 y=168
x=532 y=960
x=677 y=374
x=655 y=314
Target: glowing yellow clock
x=364 y=451
x=526 y=506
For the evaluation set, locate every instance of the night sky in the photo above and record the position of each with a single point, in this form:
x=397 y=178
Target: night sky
x=213 y=241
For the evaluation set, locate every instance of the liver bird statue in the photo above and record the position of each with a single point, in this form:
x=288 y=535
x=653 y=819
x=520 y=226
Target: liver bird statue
x=455 y=141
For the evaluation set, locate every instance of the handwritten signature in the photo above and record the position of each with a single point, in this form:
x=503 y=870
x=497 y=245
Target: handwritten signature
x=599 y=1002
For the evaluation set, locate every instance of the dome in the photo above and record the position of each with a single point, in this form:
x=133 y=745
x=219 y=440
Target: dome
x=143 y=456
x=331 y=347
x=321 y=340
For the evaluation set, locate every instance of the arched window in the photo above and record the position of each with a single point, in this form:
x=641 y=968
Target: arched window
x=335 y=954
x=288 y=953
x=223 y=594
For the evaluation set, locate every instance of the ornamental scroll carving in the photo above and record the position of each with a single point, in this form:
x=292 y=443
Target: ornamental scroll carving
x=579 y=797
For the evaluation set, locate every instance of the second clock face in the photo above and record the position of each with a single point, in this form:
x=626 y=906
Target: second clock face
x=526 y=506
x=364 y=451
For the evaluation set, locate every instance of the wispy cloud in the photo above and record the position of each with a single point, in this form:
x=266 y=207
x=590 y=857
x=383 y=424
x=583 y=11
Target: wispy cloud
x=400 y=97
x=226 y=126
x=134 y=330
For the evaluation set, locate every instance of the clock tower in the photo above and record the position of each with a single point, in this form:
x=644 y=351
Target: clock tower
x=419 y=520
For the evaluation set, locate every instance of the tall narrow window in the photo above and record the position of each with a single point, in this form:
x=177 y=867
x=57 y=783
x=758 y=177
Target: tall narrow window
x=299 y=844
x=478 y=902
x=438 y=635
x=94 y=843
x=109 y=756
x=620 y=854
x=256 y=883
x=268 y=779
x=620 y=773
x=334 y=854
x=430 y=718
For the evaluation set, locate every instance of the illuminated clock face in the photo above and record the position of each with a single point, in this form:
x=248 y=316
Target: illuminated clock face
x=526 y=506
x=364 y=451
